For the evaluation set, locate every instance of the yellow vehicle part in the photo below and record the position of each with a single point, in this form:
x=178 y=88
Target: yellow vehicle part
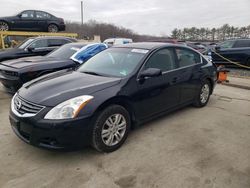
x=4 y=34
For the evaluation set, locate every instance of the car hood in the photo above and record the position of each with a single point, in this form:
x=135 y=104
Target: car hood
x=52 y=89
x=7 y=17
x=28 y=62
x=7 y=52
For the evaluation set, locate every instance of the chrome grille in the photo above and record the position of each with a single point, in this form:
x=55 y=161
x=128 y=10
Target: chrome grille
x=25 y=107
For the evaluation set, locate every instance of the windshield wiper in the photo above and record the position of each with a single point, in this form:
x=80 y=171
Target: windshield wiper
x=92 y=73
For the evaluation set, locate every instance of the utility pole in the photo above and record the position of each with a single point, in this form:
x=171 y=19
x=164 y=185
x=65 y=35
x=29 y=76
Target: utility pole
x=82 y=12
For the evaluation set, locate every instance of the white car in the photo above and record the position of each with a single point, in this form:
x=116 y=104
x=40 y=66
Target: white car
x=117 y=41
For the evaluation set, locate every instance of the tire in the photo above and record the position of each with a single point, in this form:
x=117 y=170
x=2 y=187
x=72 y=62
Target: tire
x=5 y=86
x=203 y=95
x=4 y=26
x=52 y=28
x=105 y=130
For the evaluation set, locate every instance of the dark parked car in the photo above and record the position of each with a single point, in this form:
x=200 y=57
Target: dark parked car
x=14 y=73
x=32 y=20
x=237 y=50
x=34 y=46
x=197 y=46
x=98 y=103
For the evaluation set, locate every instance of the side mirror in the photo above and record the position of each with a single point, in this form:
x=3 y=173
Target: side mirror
x=151 y=72
x=31 y=49
x=19 y=15
x=217 y=48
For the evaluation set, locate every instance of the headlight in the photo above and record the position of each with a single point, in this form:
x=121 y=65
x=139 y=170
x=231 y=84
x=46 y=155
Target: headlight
x=69 y=109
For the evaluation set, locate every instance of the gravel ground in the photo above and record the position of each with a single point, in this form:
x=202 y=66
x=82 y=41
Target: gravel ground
x=239 y=72
x=190 y=148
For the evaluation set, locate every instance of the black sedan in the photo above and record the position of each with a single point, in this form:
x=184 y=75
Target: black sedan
x=32 y=20
x=34 y=46
x=14 y=73
x=118 y=88
x=237 y=50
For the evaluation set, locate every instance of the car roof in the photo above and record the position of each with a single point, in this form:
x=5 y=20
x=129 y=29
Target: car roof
x=236 y=39
x=53 y=37
x=242 y=39
x=35 y=10
x=146 y=45
x=80 y=44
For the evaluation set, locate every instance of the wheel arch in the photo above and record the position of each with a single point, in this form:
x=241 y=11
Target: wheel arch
x=52 y=23
x=3 y=20
x=211 y=83
x=247 y=61
x=6 y=21
x=122 y=101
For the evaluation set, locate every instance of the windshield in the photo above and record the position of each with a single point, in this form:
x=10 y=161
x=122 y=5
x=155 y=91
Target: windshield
x=226 y=44
x=65 y=52
x=25 y=43
x=117 y=62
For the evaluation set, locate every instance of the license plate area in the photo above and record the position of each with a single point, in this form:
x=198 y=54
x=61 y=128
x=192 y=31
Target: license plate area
x=25 y=128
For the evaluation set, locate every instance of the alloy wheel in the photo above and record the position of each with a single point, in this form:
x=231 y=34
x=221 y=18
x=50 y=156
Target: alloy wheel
x=113 y=130
x=4 y=26
x=204 y=95
x=53 y=28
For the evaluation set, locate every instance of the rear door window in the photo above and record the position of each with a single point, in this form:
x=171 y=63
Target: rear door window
x=42 y=15
x=187 y=57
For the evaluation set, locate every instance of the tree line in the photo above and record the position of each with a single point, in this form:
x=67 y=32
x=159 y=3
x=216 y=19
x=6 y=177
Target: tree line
x=211 y=34
x=105 y=30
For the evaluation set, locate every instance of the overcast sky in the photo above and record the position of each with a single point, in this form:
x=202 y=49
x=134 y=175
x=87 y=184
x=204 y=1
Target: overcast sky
x=156 y=17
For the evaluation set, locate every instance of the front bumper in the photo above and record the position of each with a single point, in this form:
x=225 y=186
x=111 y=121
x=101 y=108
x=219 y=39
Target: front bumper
x=11 y=82
x=62 y=27
x=51 y=134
